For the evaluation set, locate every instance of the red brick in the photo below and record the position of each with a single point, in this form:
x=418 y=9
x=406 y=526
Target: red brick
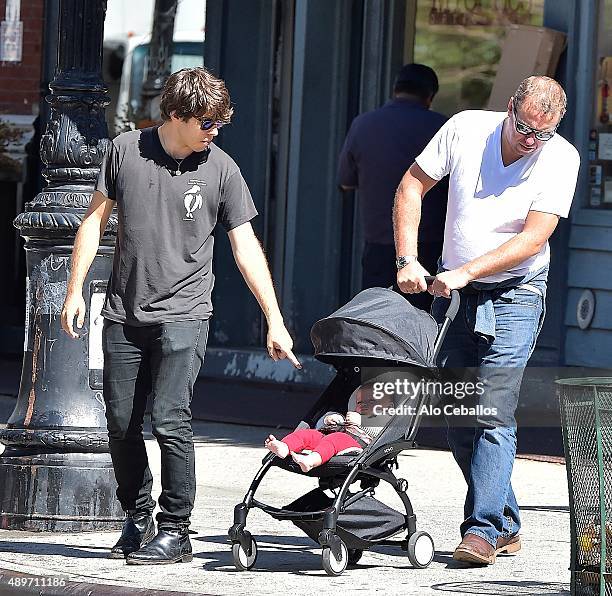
x=19 y=89
x=21 y=81
x=31 y=10
x=30 y=60
x=31 y=42
x=12 y=96
x=26 y=72
x=30 y=67
x=20 y=86
x=30 y=55
x=33 y=28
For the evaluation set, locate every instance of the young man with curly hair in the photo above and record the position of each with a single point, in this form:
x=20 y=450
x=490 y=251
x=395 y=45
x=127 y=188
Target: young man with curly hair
x=170 y=185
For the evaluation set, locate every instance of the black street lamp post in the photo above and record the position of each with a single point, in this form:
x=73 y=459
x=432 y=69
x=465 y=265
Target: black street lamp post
x=55 y=472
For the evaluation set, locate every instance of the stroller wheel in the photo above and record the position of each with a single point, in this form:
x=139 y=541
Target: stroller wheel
x=354 y=554
x=331 y=565
x=420 y=550
x=242 y=561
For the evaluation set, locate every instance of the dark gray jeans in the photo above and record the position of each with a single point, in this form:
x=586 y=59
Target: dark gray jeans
x=162 y=360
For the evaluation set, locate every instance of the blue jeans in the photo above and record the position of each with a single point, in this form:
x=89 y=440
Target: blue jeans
x=163 y=361
x=485 y=451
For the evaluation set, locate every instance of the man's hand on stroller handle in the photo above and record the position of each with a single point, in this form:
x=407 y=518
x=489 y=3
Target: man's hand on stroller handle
x=413 y=278
x=447 y=281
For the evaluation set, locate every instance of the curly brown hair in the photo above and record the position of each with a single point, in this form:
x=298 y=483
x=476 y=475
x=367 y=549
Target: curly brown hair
x=195 y=93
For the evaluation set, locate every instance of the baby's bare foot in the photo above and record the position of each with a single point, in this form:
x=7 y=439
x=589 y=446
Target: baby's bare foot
x=277 y=447
x=306 y=462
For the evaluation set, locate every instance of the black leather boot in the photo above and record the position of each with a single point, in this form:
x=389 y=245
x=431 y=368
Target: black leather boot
x=138 y=529
x=170 y=545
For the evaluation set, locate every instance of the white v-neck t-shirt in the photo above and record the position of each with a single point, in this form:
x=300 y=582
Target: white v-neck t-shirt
x=489 y=202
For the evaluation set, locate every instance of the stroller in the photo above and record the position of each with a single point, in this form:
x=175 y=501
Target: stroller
x=377 y=328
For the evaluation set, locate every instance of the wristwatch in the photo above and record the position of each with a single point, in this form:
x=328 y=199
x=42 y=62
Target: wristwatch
x=402 y=261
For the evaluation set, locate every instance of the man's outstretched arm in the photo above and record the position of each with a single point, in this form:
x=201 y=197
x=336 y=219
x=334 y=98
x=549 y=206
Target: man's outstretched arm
x=85 y=247
x=253 y=266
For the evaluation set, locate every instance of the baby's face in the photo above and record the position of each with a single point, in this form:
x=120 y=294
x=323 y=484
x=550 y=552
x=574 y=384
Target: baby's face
x=365 y=400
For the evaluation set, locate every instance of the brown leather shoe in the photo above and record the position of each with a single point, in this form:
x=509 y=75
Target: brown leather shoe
x=508 y=545
x=474 y=549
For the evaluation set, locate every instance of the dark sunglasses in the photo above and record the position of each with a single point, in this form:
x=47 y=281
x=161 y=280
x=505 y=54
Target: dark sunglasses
x=523 y=129
x=208 y=124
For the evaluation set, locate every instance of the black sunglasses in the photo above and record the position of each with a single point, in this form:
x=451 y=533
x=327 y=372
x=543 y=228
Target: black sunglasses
x=523 y=129
x=208 y=124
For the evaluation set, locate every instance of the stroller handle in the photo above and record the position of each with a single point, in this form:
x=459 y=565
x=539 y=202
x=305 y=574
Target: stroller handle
x=449 y=316
x=451 y=311
x=453 y=307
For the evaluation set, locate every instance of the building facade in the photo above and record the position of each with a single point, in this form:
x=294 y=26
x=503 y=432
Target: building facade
x=21 y=48
x=299 y=71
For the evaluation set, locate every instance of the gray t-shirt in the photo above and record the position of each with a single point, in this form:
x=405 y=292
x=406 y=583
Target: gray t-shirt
x=162 y=268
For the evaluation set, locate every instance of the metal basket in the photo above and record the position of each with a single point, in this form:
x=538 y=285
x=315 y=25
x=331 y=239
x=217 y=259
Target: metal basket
x=586 y=419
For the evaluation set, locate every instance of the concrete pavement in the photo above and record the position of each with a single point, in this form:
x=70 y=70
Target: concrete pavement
x=227 y=457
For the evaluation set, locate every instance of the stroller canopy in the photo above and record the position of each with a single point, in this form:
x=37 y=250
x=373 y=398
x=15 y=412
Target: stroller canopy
x=376 y=324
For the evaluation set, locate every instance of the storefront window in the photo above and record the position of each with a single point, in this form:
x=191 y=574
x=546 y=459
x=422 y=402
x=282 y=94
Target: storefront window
x=600 y=141
x=461 y=41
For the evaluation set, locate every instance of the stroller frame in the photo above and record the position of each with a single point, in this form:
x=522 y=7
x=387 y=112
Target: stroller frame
x=369 y=467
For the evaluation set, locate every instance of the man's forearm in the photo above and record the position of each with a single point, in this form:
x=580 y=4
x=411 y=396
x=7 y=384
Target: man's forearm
x=254 y=269
x=407 y=216
x=85 y=247
x=504 y=258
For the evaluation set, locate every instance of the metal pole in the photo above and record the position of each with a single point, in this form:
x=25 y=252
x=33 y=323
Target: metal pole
x=56 y=473
x=161 y=48
x=49 y=58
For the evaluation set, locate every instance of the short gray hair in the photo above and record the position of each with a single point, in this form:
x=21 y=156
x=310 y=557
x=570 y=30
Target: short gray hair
x=544 y=93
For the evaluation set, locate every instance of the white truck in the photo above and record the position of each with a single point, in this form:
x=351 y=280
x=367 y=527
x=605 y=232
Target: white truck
x=127 y=32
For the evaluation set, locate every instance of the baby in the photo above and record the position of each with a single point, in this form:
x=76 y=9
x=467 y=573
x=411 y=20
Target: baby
x=336 y=435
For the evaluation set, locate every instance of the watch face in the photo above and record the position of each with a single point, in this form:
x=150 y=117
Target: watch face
x=401 y=262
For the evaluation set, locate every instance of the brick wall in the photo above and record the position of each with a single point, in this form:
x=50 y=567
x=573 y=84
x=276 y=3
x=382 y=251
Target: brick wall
x=20 y=81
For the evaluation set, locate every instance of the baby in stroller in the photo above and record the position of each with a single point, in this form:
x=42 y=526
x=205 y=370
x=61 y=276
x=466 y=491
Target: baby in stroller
x=337 y=435
x=334 y=434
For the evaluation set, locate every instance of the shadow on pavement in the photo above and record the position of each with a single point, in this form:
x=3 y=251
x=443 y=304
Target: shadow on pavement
x=275 y=553
x=546 y=508
x=501 y=588
x=263 y=539
x=292 y=554
x=272 y=559
x=62 y=550
x=77 y=588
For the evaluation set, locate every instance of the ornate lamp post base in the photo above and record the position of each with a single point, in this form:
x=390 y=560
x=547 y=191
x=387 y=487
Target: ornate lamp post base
x=58 y=492
x=55 y=472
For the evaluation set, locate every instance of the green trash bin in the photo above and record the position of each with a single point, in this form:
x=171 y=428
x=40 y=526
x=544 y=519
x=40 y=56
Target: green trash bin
x=586 y=420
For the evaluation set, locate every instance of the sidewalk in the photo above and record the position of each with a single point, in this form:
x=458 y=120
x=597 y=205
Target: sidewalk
x=227 y=457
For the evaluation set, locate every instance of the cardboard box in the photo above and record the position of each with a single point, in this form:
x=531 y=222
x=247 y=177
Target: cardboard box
x=526 y=51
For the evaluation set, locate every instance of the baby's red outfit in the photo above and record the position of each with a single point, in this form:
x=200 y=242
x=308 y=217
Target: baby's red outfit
x=326 y=445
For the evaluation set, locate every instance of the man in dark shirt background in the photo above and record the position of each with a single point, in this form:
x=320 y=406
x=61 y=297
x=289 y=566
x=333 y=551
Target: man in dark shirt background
x=380 y=146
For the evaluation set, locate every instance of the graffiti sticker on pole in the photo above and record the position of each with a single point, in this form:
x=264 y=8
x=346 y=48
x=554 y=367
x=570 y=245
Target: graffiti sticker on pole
x=11 y=33
x=96 y=321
